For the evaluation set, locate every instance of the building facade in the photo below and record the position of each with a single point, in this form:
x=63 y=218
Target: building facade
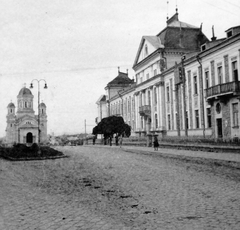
x=22 y=124
x=185 y=85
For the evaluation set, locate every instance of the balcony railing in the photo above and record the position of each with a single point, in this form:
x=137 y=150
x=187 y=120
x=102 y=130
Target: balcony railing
x=222 y=89
x=145 y=110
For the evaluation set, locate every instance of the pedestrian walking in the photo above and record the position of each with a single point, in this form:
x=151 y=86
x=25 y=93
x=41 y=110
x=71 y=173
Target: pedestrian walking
x=116 y=139
x=155 y=144
x=110 y=140
x=120 y=141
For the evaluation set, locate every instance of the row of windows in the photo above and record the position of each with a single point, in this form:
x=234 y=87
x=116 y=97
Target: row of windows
x=140 y=77
x=235 y=117
x=220 y=74
x=25 y=104
x=142 y=98
x=155 y=119
x=122 y=107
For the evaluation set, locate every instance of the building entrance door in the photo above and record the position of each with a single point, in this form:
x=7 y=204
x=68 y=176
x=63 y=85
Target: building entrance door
x=219 y=128
x=29 y=138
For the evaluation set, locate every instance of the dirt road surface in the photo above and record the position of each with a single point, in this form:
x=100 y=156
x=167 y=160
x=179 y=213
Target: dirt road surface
x=111 y=189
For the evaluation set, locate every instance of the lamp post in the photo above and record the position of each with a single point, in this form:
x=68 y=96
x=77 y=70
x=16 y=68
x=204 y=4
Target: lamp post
x=45 y=87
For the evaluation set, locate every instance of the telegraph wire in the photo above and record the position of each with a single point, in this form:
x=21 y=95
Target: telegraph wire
x=232 y=4
x=214 y=5
x=60 y=71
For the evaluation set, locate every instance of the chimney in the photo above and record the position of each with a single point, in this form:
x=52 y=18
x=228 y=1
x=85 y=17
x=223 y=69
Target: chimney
x=213 y=35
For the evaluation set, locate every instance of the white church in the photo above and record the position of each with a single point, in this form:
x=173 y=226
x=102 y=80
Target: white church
x=23 y=124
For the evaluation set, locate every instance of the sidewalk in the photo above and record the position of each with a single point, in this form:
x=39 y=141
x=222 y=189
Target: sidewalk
x=235 y=157
x=225 y=156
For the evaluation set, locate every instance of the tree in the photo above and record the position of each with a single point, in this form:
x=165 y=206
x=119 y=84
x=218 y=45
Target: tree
x=111 y=125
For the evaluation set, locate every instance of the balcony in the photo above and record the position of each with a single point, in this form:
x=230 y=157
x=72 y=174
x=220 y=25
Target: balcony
x=145 y=110
x=223 y=89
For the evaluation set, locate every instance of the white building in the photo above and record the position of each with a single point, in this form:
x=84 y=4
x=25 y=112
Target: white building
x=186 y=85
x=22 y=125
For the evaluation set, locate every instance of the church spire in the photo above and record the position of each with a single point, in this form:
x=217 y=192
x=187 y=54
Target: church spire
x=167 y=9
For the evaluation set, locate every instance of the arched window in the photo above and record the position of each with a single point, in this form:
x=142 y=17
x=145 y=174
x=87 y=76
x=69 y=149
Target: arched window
x=149 y=97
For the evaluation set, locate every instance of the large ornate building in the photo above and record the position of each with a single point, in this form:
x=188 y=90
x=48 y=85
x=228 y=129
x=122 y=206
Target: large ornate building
x=22 y=125
x=185 y=84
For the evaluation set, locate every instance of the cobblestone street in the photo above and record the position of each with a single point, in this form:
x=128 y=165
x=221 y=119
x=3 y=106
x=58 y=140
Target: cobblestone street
x=109 y=188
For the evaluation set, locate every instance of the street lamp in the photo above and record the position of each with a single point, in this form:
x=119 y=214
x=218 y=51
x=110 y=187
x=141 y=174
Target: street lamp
x=45 y=87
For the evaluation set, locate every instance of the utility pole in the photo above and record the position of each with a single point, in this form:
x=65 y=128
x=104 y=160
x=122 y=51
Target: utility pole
x=85 y=128
x=45 y=87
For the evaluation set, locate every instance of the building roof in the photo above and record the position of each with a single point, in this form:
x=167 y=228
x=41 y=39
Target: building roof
x=153 y=40
x=181 y=35
x=11 y=105
x=121 y=79
x=102 y=98
x=177 y=35
x=24 y=91
x=42 y=105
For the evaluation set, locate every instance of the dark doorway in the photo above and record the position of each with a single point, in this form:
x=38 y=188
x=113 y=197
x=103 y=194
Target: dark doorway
x=29 y=138
x=219 y=127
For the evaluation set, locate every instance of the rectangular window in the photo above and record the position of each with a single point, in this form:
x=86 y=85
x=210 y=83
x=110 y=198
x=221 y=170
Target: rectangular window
x=168 y=94
x=195 y=84
x=235 y=114
x=207 y=79
x=147 y=76
x=155 y=72
x=209 y=118
x=235 y=71
x=155 y=95
x=187 y=119
x=156 y=121
x=220 y=77
x=169 y=122
x=197 y=119
x=129 y=105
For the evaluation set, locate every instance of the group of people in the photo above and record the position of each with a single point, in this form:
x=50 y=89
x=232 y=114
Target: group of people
x=119 y=141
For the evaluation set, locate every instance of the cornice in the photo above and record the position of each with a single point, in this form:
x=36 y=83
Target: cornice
x=148 y=58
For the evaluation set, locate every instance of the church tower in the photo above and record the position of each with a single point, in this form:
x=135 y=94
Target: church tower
x=11 y=127
x=23 y=126
x=25 y=102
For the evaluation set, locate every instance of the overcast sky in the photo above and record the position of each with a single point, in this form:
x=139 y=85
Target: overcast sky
x=77 y=45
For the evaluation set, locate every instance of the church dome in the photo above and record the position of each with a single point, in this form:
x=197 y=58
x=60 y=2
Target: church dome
x=42 y=105
x=24 y=91
x=11 y=105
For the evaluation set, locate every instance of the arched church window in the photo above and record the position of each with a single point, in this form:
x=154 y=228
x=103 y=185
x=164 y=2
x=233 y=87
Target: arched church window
x=25 y=104
x=42 y=111
x=11 y=111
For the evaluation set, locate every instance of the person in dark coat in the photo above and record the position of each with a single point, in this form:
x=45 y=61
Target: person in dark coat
x=116 y=138
x=155 y=144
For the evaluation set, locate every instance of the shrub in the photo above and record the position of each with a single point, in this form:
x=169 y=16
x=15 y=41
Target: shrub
x=34 y=147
